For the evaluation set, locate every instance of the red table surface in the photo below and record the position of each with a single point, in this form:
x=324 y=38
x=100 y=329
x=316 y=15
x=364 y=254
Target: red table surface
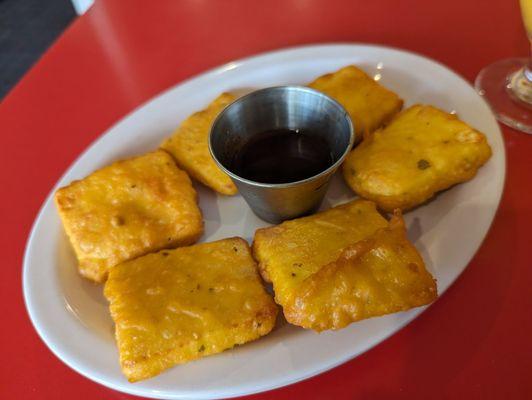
x=474 y=342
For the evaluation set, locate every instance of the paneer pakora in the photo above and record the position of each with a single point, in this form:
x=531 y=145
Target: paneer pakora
x=422 y=151
x=379 y=275
x=189 y=146
x=178 y=305
x=369 y=104
x=342 y=265
x=128 y=209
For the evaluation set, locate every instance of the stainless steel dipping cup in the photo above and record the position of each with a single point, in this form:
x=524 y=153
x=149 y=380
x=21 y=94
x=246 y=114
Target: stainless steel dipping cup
x=283 y=107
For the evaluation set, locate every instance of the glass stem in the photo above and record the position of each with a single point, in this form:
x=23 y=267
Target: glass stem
x=528 y=67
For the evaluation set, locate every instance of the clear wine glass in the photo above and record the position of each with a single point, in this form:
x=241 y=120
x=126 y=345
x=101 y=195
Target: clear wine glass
x=507 y=84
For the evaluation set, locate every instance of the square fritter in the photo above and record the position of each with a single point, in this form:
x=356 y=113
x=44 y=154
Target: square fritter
x=189 y=146
x=379 y=275
x=178 y=305
x=291 y=252
x=128 y=209
x=369 y=104
x=422 y=151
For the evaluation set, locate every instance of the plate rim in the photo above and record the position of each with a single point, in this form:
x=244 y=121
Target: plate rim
x=214 y=72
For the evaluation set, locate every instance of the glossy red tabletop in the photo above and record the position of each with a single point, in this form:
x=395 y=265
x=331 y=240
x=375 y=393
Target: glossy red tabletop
x=475 y=342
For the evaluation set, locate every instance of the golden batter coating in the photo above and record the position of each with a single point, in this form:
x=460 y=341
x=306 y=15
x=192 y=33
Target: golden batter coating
x=369 y=104
x=379 y=275
x=291 y=252
x=178 y=305
x=189 y=146
x=422 y=151
x=128 y=209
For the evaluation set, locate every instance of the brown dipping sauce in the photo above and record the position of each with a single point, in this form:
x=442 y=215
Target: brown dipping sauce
x=282 y=156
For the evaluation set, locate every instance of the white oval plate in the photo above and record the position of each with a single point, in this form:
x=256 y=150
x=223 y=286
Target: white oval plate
x=71 y=316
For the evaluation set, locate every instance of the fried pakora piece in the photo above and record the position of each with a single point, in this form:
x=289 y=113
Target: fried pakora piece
x=369 y=104
x=379 y=275
x=291 y=252
x=422 y=151
x=189 y=146
x=178 y=305
x=128 y=209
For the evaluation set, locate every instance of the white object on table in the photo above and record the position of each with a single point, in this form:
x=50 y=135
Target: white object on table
x=82 y=5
